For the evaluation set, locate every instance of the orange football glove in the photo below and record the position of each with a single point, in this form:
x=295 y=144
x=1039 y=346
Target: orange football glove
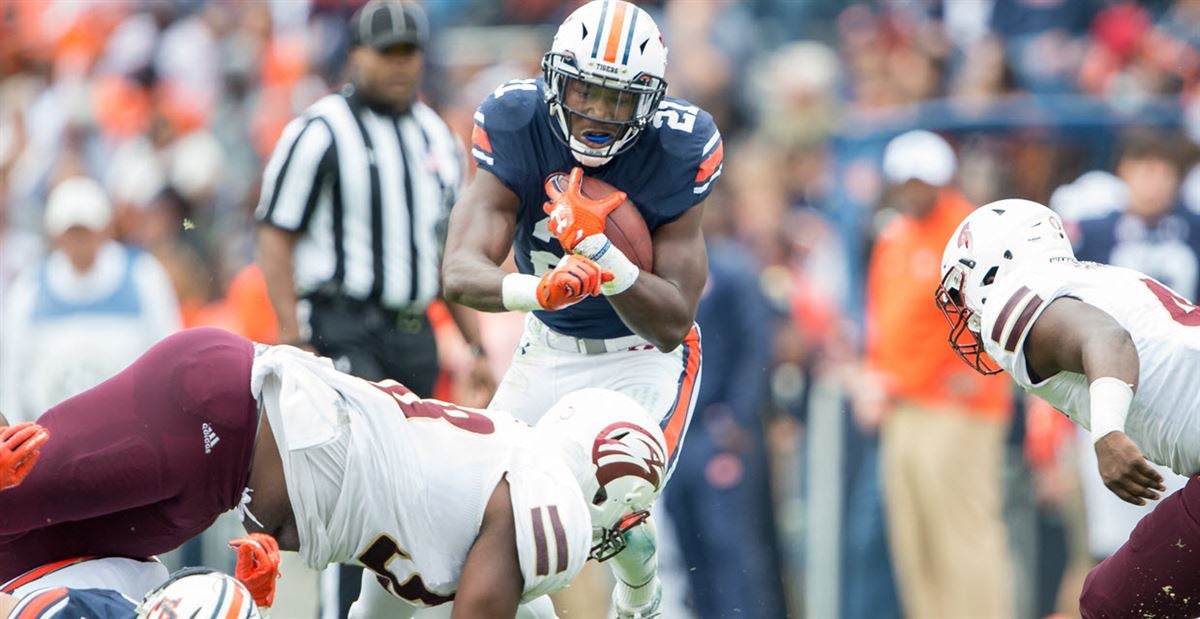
x=257 y=565
x=573 y=280
x=574 y=216
x=19 y=451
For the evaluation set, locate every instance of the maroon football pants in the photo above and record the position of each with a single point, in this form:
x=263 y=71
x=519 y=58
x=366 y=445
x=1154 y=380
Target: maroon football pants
x=142 y=462
x=1156 y=573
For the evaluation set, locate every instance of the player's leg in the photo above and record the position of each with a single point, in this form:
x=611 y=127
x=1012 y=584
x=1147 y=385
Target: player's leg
x=166 y=444
x=667 y=385
x=1157 y=572
x=908 y=534
x=538 y=608
x=530 y=386
x=374 y=602
x=972 y=544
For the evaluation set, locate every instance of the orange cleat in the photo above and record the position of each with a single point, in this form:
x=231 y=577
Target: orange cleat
x=19 y=451
x=257 y=565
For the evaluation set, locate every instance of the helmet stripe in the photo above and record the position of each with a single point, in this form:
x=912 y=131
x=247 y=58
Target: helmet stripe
x=600 y=30
x=237 y=606
x=614 y=32
x=39 y=572
x=220 y=598
x=629 y=38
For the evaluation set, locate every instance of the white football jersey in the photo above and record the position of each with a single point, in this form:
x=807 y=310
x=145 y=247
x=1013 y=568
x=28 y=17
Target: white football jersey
x=381 y=478
x=1164 y=419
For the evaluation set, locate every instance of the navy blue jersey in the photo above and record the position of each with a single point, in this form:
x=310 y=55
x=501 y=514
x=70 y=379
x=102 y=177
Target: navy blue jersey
x=64 y=603
x=670 y=169
x=1167 y=250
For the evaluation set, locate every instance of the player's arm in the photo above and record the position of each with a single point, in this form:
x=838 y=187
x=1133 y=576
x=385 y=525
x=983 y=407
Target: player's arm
x=661 y=306
x=658 y=306
x=7 y=604
x=275 y=250
x=491 y=582
x=478 y=240
x=1073 y=336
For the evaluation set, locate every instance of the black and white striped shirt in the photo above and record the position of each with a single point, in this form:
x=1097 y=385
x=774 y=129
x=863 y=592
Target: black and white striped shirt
x=371 y=194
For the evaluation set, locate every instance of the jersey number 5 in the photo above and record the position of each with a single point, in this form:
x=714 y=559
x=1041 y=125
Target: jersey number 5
x=1179 y=308
x=376 y=558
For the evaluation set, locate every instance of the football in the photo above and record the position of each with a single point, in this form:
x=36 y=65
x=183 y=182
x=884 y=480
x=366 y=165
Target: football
x=625 y=227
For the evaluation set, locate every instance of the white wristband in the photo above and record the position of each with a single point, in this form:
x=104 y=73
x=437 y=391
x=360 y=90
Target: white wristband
x=519 y=292
x=600 y=250
x=1110 y=399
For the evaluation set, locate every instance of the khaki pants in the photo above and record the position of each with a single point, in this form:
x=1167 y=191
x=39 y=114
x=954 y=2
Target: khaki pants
x=942 y=475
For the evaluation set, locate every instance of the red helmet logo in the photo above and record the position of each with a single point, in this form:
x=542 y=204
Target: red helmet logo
x=624 y=448
x=964 y=237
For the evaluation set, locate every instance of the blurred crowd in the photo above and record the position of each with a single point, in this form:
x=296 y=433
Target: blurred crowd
x=1090 y=106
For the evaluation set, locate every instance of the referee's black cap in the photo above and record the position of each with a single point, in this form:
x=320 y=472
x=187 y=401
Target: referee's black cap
x=384 y=23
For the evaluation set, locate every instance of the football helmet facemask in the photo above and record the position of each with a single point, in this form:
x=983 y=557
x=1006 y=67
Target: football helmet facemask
x=995 y=240
x=604 y=78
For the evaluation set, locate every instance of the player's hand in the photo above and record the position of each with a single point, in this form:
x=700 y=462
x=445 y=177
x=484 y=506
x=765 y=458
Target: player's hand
x=1125 y=471
x=573 y=280
x=257 y=565
x=19 y=451
x=574 y=216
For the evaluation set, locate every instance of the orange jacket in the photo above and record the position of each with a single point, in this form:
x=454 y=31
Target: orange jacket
x=906 y=332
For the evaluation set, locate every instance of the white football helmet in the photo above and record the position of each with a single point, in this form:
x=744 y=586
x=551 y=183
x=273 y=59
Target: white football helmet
x=616 y=452
x=616 y=49
x=198 y=592
x=992 y=242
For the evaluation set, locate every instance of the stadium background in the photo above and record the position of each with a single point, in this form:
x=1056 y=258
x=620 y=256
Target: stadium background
x=174 y=106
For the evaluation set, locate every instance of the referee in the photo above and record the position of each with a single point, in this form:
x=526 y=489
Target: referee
x=354 y=206
x=352 y=216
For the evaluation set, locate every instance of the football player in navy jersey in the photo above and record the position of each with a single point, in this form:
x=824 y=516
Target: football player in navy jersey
x=597 y=320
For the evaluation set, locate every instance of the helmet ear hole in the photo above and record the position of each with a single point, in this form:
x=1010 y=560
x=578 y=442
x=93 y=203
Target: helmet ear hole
x=601 y=496
x=990 y=276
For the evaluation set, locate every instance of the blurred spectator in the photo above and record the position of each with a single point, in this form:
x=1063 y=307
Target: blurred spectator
x=1129 y=59
x=18 y=248
x=943 y=425
x=1152 y=232
x=719 y=498
x=1190 y=191
x=1043 y=39
x=1092 y=195
x=83 y=313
